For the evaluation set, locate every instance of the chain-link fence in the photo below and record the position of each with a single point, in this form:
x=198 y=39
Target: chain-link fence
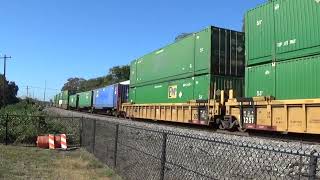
x=137 y=152
x=142 y=153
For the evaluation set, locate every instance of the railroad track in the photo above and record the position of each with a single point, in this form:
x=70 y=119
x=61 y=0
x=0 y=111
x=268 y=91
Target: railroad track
x=307 y=139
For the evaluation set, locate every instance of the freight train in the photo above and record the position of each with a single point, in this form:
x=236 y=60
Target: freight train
x=267 y=78
x=107 y=100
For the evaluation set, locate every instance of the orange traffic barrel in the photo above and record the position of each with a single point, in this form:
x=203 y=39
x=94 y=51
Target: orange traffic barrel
x=57 y=141
x=43 y=142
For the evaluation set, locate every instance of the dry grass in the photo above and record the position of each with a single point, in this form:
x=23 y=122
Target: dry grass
x=34 y=163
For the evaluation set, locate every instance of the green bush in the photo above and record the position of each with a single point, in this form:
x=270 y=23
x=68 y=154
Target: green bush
x=26 y=120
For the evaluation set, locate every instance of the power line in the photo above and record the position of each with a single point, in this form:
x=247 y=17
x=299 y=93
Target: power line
x=42 y=88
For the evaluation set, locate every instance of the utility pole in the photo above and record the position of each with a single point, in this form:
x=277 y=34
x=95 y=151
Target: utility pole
x=27 y=92
x=5 y=57
x=45 y=89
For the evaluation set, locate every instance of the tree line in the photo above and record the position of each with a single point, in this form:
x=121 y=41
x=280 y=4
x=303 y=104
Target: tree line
x=115 y=75
x=11 y=91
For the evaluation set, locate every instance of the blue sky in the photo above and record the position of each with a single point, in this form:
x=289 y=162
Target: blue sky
x=54 y=40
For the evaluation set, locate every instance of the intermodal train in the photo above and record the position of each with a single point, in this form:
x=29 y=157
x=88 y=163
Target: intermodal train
x=107 y=100
x=264 y=79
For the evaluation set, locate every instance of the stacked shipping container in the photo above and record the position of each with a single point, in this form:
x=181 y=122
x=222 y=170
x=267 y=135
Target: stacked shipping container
x=188 y=69
x=85 y=100
x=110 y=97
x=281 y=52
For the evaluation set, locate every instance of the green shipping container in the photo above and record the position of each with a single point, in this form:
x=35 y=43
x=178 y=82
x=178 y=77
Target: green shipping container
x=282 y=30
x=85 y=100
x=73 y=101
x=65 y=95
x=211 y=51
x=260 y=80
x=184 y=90
x=293 y=79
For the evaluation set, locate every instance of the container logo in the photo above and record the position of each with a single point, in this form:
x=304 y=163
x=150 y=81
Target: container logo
x=287 y=42
x=277 y=6
x=317 y=1
x=187 y=85
x=172 y=92
x=259 y=22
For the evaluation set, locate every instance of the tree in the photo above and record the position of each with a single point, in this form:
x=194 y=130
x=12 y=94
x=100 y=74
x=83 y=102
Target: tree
x=116 y=74
x=120 y=73
x=11 y=91
x=73 y=84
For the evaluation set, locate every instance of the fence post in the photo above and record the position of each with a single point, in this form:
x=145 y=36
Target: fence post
x=94 y=136
x=313 y=165
x=6 y=124
x=80 y=130
x=163 y=155
x=116 y=145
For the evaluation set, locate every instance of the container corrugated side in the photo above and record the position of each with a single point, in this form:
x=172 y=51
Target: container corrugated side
x=259 y=30
x=211 y=51
x=297 y=28
x=293 y=79
x=173 y=61
x=104 y=97
x=260 y=80
x=73 y=101
x=184 y=90
x=282 y=30
x=85 y=99
x=298 y=79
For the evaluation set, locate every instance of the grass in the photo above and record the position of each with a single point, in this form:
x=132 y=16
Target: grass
x=33 y=163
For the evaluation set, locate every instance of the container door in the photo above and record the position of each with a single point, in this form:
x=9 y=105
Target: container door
x=116 y=97
x=260 y=80
x=260 y=34
x=202 y=51
x=297 y=25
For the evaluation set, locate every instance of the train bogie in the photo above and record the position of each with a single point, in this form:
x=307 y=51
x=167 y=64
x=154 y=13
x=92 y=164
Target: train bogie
x=288 y=116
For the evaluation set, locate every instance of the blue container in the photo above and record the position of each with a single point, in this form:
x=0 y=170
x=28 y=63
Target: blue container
x=110 y=97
